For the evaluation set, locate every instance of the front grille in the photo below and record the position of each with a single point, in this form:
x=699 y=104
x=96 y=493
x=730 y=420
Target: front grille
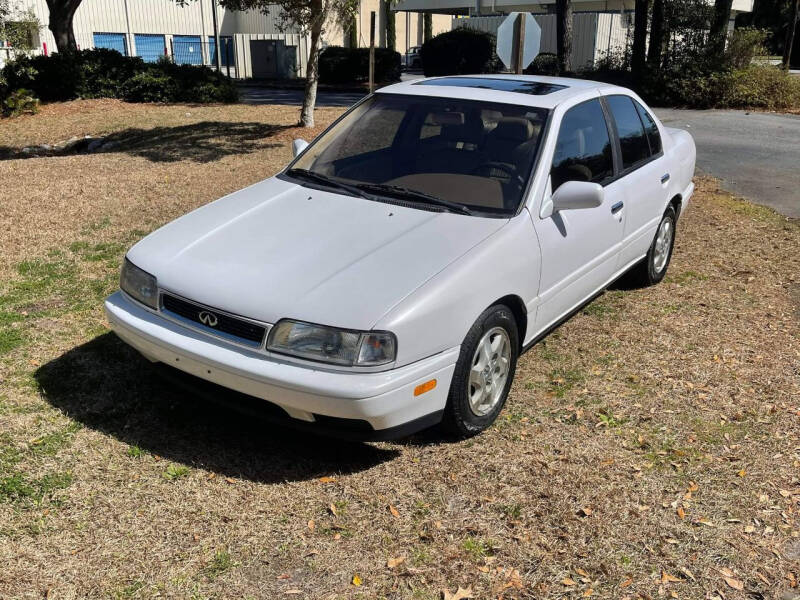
x=221 y=323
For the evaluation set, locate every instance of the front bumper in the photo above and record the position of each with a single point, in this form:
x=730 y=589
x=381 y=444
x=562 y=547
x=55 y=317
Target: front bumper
x=307 y=394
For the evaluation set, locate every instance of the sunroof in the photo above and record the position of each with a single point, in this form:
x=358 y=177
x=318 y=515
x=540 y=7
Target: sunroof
x=534 y=88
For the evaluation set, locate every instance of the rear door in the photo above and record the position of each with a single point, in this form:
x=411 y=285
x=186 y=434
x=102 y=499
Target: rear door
x=580 y=248
x=644 y=174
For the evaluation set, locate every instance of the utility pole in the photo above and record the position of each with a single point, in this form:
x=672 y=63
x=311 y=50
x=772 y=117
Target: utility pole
x=216 y=35
x=519 y=43
x=787 y=51
x=371 y=51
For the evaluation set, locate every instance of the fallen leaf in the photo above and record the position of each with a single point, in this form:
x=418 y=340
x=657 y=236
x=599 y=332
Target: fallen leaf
x=327 y=479
x=762 y=578
x=394 y=511
x=725 y=572
x=693 y=487
x=357 y=580
x=681 y=512
x=332 y=508
x=588 y=593
x=734 y=583
x=461 y=594
x=568 y=581
x=785 y=493
x=627 y=583
x=393 y=562
x=293 y=592
x=284 y=576
x=667 y=578
x=311 y=524
x=582 y=572
x=230 y=480
x=688 y=573
x=585 y=511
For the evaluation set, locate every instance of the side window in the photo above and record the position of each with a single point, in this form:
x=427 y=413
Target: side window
x=650 y=128
x=632 y=139
x=583 y=147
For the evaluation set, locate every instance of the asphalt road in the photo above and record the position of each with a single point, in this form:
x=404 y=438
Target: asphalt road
x=756 y=155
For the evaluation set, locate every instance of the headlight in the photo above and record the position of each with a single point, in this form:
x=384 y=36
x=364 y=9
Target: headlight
x=331 y=345
x=139 y=284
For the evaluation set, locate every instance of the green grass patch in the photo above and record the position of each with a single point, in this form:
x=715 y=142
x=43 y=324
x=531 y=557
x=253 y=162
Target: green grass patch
x=562 y=380
x=219 y=564
x=476 y=548
x=174 y=472
x=51 y=443
x=134 y=452
x=19 y=488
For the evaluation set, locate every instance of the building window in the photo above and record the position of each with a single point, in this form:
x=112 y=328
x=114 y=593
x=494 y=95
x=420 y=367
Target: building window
x=111 y=41
x=151 y=47
x=226 y=51
x=187 y=49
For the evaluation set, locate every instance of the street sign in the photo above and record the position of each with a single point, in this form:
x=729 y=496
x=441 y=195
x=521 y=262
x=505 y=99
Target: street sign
x=509 y=43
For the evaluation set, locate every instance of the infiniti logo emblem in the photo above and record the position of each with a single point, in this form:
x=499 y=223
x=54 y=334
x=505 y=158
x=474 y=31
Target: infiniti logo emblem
x=207 y=318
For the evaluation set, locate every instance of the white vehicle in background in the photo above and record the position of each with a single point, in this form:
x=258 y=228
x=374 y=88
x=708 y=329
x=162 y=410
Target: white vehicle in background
x=390 y=277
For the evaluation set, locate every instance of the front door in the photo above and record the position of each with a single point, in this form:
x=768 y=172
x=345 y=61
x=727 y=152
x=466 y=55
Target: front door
x=579 y=248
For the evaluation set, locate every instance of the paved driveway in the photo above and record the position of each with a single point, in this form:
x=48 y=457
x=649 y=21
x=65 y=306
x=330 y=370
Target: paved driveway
x=756 y=155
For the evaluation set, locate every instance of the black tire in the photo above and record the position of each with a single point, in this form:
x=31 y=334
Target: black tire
x=646 y=273
x=459 y=419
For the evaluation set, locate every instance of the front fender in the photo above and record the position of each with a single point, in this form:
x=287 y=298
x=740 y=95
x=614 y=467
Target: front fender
x=437 y=316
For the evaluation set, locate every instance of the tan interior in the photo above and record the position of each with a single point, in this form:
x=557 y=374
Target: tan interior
x=470 y=189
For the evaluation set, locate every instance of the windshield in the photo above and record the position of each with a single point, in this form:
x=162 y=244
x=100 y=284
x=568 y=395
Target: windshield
x=477 y=155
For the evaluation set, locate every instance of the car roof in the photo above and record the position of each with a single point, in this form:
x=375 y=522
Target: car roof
x=524 y=90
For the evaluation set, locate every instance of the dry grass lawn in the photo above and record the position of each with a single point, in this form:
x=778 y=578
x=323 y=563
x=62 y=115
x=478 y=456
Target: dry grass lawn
x=650 y=447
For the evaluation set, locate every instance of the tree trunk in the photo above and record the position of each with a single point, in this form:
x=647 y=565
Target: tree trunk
x=391 y=30
x=639 y=37
x=62 y=13
x=564 y=35
x=312 y=72
x=427 y=26
x=787 y=50
x=719 y=26
x=657 y=31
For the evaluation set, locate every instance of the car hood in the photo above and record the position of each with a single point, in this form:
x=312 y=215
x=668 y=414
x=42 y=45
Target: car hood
x=280 y=250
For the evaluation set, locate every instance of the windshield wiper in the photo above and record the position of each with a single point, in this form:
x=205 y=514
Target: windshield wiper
x=329 y=181
x=409 y=194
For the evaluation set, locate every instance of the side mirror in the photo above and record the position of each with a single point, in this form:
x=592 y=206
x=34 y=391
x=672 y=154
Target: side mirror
x=573 y=195
x=298 y=146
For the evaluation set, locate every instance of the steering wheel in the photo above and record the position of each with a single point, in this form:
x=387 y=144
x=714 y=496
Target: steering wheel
x=489 y=169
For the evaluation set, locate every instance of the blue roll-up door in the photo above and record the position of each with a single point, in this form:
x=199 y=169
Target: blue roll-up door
x=226 y=50
x=150 y=46
x=112 y=41
x=187 y=50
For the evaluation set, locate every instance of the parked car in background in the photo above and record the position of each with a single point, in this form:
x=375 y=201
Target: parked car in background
x=412 y=59
x=391 y=276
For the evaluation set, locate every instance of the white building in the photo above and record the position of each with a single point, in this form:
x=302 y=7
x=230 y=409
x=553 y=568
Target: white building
x=253 y=44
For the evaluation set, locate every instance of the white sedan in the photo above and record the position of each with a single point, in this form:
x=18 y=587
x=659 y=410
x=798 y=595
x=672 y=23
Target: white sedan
x=389 y=278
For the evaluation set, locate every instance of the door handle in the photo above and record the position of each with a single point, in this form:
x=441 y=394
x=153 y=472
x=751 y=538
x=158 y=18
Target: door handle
x=616 y=208
x=665 y=178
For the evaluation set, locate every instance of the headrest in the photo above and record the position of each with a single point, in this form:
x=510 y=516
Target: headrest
x=514 y=128
x=471 y=132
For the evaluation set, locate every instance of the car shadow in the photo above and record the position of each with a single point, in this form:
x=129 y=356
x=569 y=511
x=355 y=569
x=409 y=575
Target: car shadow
x=202 y=142
x=109 y=387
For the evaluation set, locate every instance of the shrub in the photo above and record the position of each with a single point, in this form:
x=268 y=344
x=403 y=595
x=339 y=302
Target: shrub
x=744 y=45
x=19 y=102
x=103 y=73
x=758 y=87
x=149 y=87
x=545 y=63
x=459 y=52
x=348 y=65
